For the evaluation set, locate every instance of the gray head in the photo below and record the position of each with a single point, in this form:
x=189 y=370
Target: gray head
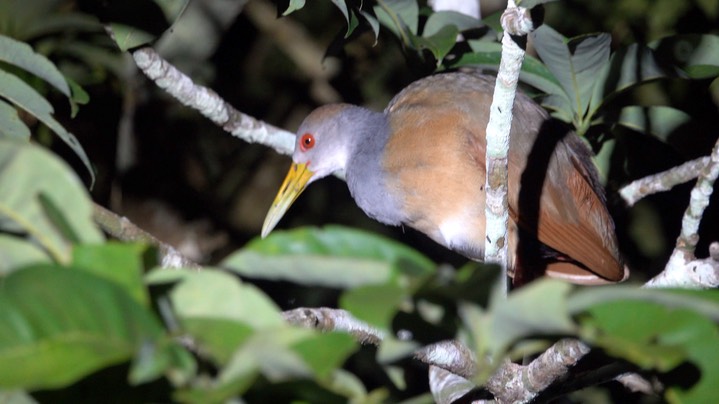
x=325 y=142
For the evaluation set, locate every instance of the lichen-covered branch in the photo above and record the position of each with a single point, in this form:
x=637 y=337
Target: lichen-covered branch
x=211 y=105
x=326 y=319
x=123 y=229
x=516 y=21
x=664 y=181
x=683 y=268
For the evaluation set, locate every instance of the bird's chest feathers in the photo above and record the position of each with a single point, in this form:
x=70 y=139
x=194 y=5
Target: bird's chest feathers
x=440 y=192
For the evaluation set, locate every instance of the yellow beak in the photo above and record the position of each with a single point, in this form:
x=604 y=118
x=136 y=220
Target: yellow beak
x=295 y=182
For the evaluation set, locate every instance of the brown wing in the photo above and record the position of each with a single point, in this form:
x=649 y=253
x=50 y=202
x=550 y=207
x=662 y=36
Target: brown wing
x=559 y=177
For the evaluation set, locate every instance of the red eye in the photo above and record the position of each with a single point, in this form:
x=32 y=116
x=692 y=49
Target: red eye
x=307 y=141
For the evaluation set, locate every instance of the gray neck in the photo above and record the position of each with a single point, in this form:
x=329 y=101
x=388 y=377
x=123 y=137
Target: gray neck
x=365 y=173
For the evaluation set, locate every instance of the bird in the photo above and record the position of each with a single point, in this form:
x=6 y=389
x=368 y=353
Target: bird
x=421 y=163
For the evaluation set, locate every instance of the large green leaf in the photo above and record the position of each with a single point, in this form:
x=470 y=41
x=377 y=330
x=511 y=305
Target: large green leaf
x=656 y=329
x=334 y=256
x=217 y=310
x=539 y=308
x=441 y=19
x=21 y=55
x=574 y=62
x=25 y=97
x=487 y=55
x=439 y=43
x=281 y=355
x=628 y=67
x=26 y=172
x=654 y=336
x=375 y=304
x=58 y=325
x=659 y=121
x=119 y=263
x=228 y=297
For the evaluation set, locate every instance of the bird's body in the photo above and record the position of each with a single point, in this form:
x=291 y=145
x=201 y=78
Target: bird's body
x=421 y=163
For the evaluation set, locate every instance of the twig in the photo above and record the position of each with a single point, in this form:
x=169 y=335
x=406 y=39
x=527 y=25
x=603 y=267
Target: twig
x=326 y=319
x=123 y=229
x=209 y=104
x=663 y=181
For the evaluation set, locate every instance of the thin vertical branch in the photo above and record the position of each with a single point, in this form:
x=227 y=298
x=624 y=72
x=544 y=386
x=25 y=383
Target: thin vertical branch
x=516 y=21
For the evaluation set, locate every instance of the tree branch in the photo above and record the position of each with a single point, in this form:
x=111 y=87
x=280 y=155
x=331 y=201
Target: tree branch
x=683 y=269
x=123 y=229
x=663 y=181
x=209 y=104
x=516 y=21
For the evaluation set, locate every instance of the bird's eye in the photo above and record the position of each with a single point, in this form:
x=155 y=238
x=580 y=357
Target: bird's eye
x=307 y=141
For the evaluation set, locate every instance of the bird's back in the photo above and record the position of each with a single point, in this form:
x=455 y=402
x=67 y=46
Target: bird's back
x=435 y=163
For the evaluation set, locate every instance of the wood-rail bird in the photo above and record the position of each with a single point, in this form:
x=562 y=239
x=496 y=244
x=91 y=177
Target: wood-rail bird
x=421 y=163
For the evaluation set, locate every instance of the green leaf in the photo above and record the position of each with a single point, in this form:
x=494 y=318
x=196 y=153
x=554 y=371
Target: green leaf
x=629 y=329
x=11 y=126
x=697 y=55
x=659 y=329
x=703 y=302
x=218 y=295
x=122 y=264
x=539 y=308
x=343 y=8
x=531 y=3
x=373 y=23
x=16 y=253
x=441 y=19
x=21 y=55
x=147 y=22
x=28 y=99
x=659 y=121
x=57 y=326
x=325 y=352
x=218 y=337
x=79 y=96
x=487 y=55
x=334 y=256
x=603 y=159
x=400 y=16
x=627 y=67
x=281 y=354
x=54 y=214
x=294 y=6
x=574 y=62
x=440 y=43
x=375 y=304
x=28 y=170
x=128 y=37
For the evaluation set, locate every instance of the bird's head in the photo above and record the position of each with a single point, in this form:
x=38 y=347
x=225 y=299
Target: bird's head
x=321 y=148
